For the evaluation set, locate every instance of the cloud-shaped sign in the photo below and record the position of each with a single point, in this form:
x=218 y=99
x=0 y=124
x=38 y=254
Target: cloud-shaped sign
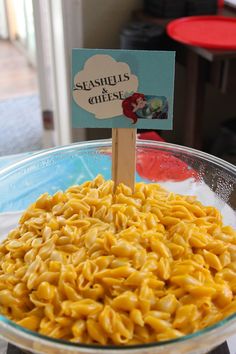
x=102 y=85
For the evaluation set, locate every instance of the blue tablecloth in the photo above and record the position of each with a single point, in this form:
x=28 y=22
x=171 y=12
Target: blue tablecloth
x=19 y=190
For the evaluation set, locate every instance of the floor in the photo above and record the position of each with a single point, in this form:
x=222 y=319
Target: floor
x=17 y=77
x=21 y=125
x=20 y=113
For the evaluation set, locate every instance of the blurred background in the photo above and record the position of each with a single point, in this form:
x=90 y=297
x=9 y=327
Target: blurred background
x=36 y=38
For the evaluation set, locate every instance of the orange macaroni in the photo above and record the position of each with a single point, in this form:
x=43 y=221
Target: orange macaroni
x=92 y=265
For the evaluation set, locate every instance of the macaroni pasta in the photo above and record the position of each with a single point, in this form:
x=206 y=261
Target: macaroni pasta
x=92 y=265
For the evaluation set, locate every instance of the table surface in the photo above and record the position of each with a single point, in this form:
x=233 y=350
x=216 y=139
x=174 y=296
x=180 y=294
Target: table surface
x=208 y=54
x=214 y=54
x=202 y=65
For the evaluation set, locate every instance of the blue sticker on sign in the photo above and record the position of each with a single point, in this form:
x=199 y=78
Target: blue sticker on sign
x=122 y=89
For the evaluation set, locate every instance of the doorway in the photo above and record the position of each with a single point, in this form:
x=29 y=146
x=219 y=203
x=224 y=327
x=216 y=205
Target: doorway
x=43 y=34
x=21 y=27
x=21 y=112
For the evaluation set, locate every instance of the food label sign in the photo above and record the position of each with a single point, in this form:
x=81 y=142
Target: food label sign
x=122 y=89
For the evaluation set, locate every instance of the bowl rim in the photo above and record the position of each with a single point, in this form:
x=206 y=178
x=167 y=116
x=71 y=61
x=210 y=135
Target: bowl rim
x=108 y=143
x=21 y=331
x=67 y=344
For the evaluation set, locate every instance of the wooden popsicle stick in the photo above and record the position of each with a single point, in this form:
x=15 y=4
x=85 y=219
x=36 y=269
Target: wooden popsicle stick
x=124 y=156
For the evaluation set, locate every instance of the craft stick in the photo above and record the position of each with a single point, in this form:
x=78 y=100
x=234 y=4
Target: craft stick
x=124 y=156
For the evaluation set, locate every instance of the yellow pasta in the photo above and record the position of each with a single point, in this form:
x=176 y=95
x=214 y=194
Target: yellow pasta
x=94 y=265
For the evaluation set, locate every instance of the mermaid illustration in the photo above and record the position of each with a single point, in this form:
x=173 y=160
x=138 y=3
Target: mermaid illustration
x=140 y=106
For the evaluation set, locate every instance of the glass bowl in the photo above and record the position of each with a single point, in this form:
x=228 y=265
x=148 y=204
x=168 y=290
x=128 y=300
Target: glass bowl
x=180 y=169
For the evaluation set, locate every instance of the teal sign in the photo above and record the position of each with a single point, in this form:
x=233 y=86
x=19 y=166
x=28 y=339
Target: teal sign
x=122 y=89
